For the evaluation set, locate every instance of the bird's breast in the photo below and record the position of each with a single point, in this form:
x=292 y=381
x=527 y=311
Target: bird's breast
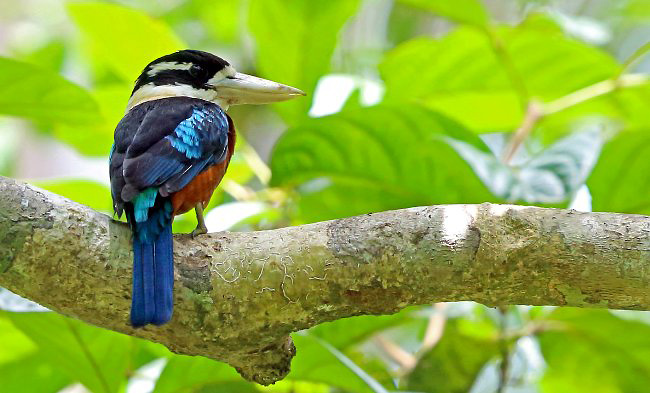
x=200 y=189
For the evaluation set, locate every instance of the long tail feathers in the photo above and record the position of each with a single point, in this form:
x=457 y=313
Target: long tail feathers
x=153 y=279
x=163 y=281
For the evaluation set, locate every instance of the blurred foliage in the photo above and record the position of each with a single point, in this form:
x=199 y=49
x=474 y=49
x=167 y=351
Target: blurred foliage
x=343 y=180
x=89 y=193
x=617 y=351
x=470 y=12
x=463 y=70
x=454 y=363
x=620 y=179
x=299 y=53
x=42 y=95
x=537 y=102
x=110 y=31
x=537 y=174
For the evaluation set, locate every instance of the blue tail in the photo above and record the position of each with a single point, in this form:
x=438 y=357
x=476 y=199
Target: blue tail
x=153 y=269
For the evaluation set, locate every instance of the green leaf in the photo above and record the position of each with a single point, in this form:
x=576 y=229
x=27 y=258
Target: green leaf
x=551 y=175
x=125 y=38
x=596 y=351
x=460 y=75
x=32 y=374
x=374 y=159
x=291 y=386
x=463 y=11
x=453 y=364
x=43 y=95
x=50 y=56
x=9 y=149
x=346 y=332
x=14 y=343
x=228 y=387
x=315 y=361
x=194 y=373
x=295 y=41
x=21 y=360
x=352 y=366
x=96 y=140
x=496 y=110
x=92 y=194
x=620 y=181
x=221 y=19
x=636 y=11
x=95 y=357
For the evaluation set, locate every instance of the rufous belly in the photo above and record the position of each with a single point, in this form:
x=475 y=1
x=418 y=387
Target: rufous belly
x=200 y=189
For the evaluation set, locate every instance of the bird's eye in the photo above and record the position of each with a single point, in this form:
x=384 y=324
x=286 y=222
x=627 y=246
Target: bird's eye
x=196 y=71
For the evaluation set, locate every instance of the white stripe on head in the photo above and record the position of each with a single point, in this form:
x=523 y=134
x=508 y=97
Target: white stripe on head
x=225 y=72
x=150 y=92
x=168 y=65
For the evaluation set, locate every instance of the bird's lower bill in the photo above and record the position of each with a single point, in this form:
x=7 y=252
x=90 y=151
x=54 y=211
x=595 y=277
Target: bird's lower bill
x=248 y=89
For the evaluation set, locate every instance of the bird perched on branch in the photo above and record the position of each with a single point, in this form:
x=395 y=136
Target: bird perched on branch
x=171 y=150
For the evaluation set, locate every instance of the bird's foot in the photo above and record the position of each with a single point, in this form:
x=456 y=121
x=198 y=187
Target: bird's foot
x=199 y=230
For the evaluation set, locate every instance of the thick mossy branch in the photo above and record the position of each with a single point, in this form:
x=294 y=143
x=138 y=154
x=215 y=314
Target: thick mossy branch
x=239 y=295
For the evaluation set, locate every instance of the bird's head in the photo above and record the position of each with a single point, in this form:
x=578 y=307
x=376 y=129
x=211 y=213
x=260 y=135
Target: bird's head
x=198 y=74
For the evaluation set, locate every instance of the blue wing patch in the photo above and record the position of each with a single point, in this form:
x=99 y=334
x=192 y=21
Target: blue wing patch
x=186 y=138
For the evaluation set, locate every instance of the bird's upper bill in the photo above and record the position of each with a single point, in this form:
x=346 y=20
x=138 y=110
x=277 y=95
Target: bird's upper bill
x=240 y=88
x=202 y=75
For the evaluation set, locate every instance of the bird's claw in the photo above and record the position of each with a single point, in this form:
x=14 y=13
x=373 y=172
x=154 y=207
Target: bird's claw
x=199 y=231
x=201 y=228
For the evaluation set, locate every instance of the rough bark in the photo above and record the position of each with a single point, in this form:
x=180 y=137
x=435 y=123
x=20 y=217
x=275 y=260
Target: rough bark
x=239 y=295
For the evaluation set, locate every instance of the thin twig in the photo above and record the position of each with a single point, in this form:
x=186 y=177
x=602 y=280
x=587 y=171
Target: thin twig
x=534 y=113
x=404 y=359
x=504 y=346
x=639 y=53
x=537 y=110
x=238 y=191
x=435 y=328
x=593 y=91
x=532 y=328
x=257 y=165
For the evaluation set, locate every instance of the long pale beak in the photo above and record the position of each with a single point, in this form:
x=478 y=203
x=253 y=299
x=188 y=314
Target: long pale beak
x=248 y=89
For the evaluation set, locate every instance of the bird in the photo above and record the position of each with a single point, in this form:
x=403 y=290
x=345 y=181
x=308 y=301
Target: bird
x=171 y=149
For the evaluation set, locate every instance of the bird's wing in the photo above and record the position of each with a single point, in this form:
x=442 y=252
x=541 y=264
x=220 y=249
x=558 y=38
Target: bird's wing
x=164 y=144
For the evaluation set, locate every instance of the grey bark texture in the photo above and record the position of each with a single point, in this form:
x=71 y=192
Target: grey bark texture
x=239 y=295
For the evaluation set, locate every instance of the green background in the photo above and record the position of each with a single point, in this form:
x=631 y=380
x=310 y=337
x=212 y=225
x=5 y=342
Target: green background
x=410 y=102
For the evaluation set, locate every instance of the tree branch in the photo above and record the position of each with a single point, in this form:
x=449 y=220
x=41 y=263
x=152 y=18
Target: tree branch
x=239 y=295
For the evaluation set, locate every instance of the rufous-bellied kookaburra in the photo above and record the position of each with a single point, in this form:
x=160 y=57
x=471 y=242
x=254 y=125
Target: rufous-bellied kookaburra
x=171 y=150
